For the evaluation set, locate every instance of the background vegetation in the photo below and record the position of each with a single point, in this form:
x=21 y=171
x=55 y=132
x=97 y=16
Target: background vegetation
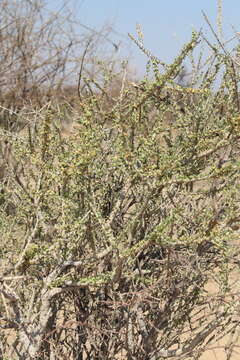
x=119 y=204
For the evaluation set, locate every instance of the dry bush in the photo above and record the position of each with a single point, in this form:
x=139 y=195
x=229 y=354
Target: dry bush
x=112 y=233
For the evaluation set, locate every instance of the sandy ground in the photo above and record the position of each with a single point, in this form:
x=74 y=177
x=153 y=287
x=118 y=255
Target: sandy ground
x=217 y=351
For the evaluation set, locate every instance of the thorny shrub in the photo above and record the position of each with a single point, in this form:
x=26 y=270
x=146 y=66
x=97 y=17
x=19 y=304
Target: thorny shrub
x=112 y=232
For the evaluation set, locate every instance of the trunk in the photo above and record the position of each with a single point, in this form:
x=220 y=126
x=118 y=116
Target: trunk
x=34 y=339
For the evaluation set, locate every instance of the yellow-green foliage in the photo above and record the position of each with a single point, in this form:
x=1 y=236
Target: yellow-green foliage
x=136 y=202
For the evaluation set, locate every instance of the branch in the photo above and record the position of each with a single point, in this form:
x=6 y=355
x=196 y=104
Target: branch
x=197 y=340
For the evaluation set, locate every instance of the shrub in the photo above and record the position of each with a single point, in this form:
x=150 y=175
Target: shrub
x=112 y=233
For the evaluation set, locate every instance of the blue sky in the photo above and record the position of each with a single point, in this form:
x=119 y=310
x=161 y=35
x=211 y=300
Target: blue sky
x=166 y=24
